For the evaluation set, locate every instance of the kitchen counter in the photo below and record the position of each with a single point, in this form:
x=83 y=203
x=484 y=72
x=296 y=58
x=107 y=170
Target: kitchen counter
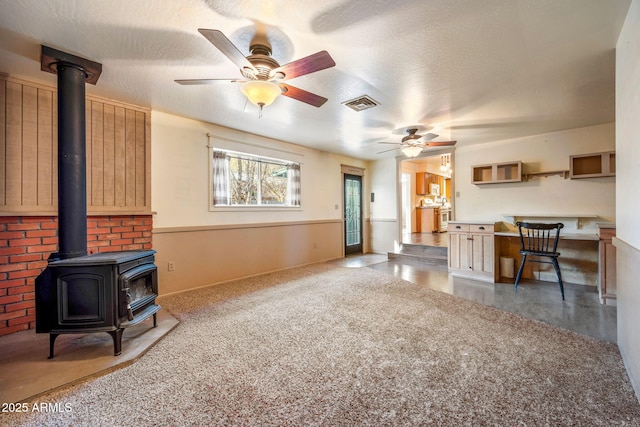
x=474 y=222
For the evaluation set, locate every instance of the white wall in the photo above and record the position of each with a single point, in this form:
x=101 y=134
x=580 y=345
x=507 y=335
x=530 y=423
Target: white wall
x=384 y=211
x=628 y=127
x=180 y=175
x=627 y=200
x=412 y=168
x=553 y=194
x=206 y=246
x=489 y=202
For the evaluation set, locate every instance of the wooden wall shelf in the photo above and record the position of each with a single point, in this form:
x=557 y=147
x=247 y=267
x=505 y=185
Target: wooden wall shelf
x=595 y=165
x=562 y=173
x=496 y=173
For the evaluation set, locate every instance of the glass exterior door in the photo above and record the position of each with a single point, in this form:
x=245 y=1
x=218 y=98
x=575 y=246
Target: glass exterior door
x=352 y=214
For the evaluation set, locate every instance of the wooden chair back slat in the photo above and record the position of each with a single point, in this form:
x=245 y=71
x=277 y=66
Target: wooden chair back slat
x=535 y=237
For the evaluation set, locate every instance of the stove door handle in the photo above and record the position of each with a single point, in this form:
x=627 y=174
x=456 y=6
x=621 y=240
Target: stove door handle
x=128 y=299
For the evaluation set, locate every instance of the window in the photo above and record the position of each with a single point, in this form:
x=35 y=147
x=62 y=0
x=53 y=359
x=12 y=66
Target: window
x=241 y=179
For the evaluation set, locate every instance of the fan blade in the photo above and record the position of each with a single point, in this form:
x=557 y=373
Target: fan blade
x=440 y=143
x=224 y=45
x=384 y=142
x=205 y=81
x=386 y=151
x=310 y=64
x=302 y=95
x=429 y=136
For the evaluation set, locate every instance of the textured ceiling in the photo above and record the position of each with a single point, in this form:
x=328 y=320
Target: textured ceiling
x=474 y=70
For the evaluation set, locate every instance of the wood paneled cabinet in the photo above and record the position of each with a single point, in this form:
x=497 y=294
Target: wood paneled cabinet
x=427 y=220
x=424 y=181
x=472 y=250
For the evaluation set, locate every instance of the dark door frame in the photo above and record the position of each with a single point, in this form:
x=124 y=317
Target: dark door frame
x=357 y=248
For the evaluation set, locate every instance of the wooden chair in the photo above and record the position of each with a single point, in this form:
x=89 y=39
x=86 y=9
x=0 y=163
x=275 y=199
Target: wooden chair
x=540 y=241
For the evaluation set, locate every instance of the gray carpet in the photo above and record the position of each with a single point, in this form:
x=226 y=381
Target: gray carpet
x=351 y=346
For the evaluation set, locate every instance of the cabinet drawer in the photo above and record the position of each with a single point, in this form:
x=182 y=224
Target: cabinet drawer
x=481 y=228
x=458 y=227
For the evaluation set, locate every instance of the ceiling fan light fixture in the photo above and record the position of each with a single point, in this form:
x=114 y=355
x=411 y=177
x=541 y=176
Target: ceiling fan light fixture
x=260 y=92
x=412 y=150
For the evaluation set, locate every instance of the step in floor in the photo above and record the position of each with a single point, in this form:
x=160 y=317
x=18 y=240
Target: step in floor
x=434 y=255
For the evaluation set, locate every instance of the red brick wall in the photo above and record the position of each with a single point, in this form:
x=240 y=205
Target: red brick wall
x=27 y=242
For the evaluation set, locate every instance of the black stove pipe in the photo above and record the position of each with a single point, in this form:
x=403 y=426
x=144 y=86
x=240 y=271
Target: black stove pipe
x=72 y=162
x=73 y=72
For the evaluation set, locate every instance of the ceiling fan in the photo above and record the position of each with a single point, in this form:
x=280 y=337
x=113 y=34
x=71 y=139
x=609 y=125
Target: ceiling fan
x=413 y=144
x=263 y=76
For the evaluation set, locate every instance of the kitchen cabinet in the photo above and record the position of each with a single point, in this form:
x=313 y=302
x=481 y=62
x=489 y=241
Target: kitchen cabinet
x=472 y=250
x=427 y=220
x=424 y=181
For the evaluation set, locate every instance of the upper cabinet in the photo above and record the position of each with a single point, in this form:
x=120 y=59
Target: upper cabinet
x=593 y=165
x=496 y=173
x=424 y=181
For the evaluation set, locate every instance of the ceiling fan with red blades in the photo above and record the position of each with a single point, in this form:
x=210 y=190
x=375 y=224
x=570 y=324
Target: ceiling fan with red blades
x=264 y=78
x=413 y=144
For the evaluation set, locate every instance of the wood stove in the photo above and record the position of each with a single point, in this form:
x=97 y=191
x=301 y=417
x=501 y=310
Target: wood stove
x=77 y=292
x=105 y=292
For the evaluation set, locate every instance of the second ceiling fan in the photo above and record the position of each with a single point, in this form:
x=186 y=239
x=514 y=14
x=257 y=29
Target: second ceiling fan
x=264 y=78
x=413 y=144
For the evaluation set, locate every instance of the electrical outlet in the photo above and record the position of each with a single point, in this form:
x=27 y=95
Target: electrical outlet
x=171 y=266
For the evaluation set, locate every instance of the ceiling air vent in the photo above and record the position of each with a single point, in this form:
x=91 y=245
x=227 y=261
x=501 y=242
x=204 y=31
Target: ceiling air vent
x=361 y=103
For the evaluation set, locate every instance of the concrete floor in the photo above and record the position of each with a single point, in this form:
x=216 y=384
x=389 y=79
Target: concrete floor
x=581 y=311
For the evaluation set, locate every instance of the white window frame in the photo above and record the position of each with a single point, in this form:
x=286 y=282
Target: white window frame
x=256 y=207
